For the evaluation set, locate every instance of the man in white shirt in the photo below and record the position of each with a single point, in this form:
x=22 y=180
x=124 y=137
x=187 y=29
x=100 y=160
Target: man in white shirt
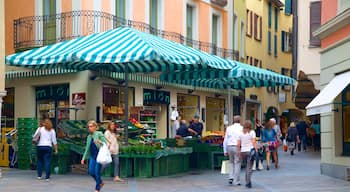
x=175 y=123
x=230 y=149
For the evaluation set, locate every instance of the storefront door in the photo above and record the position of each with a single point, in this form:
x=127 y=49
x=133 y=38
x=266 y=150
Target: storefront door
x=8 y=109
x=346 y=121
x=215 y=109
x=188 y=106
x=252 y=111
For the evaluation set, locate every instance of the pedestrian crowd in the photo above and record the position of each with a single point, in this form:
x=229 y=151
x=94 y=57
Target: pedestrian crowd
x=243 y=144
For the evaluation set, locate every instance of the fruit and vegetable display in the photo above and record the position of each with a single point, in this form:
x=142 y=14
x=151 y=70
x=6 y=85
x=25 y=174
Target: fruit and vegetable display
x=135 y=123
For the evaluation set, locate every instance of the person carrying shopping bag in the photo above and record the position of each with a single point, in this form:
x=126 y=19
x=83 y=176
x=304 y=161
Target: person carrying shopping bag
x=245 y=144
x=94 y=142
x=113 y=147
x=292 y=137
x=45 y=137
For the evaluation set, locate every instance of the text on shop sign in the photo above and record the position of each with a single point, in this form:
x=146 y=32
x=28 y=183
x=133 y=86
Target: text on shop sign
x=155 y=96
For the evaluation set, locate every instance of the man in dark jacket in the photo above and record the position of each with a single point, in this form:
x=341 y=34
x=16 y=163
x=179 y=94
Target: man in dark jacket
x=302 y=127
x=183 y=130
x=196 y=127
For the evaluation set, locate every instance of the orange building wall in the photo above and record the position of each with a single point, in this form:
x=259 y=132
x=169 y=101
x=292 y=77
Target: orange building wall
x=86 y=5
x=139 y=10
x=173 y=20
x=329 y=10
x=224 y=30
x=336 y=37
x=66 y=5
x=203 y=22
x=106 y=6
x=15 y=10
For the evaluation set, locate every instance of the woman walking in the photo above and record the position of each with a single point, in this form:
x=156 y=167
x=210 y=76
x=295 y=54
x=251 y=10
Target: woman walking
x=292 y=137
x=245 y=143
x=47 y=138
x=94 y=142
x=269 y=138
x=113 y=147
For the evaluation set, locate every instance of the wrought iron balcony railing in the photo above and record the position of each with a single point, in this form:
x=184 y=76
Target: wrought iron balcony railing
x=37 y=31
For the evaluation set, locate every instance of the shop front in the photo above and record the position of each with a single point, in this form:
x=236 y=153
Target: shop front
x=253 y=111
x=8 y=109
x=215 y=111
x=188 y=106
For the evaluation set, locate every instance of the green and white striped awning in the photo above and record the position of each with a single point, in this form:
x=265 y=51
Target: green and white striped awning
x=240 y=76
x=36 y=73
x=110 y=50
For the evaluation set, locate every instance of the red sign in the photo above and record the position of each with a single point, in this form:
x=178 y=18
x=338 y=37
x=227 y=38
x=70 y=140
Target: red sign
x=78 y=98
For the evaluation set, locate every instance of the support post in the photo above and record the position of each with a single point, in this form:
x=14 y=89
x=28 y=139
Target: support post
x=126 y=105
x=229 y=104
x=2 y=94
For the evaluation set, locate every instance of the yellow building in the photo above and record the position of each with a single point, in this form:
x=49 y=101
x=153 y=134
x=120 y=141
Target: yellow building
x=268 y=46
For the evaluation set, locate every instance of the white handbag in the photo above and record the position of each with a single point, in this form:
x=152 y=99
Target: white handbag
x=225 y=167
x=104 y=156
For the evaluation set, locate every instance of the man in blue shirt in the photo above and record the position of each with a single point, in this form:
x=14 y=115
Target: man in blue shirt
x=302 y=127
x=196 y=127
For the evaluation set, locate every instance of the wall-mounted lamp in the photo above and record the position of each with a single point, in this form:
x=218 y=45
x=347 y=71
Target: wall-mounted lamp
x=159 y=87
x=190 y=91
x=335 y=110
x=217 y=95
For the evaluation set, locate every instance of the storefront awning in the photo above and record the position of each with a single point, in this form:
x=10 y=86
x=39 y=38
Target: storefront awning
x=322 y=103
x=112 y=49
x=240 y=76
x=36 y=73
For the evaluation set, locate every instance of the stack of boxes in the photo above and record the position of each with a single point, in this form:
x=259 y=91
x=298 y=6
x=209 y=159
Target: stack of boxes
x=26 y=150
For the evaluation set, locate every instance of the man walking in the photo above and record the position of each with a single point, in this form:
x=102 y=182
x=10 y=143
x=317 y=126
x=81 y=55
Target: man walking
x=302 y=127
x=230 y=149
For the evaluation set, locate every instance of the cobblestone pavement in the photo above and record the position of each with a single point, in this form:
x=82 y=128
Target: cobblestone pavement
x=297 y=173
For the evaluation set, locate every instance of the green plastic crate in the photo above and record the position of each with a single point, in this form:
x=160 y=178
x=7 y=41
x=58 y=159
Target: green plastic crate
x=126 y=167
x=108 y=171
x=160 y=166
x=143 y=167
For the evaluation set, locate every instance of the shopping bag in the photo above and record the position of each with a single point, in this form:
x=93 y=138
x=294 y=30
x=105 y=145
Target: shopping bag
x=285 y=146
x=104 y=156
x=225 y=167
x=36 y=137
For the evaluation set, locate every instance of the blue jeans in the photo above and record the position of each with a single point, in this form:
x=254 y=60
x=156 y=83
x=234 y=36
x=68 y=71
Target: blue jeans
x=95 y=172
x=44 y=159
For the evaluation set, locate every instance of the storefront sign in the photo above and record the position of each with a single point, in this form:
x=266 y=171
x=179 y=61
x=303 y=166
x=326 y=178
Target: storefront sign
x=156 y=96
x=52 y=92
x=282 y=97
x=78 y=98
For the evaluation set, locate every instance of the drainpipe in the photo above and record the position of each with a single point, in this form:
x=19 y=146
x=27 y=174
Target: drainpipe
x=295 y=40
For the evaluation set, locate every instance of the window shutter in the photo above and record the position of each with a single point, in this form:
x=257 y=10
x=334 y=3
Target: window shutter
x=283 y=41
x=270 y=15
x=269 y=42
x=260 y=26
x=288 y=10
x=276 y=18
x=275 y=45
x=256 y=26
x=315 y=22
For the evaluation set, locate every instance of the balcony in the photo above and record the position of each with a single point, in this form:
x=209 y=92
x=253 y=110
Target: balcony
x=38 y=31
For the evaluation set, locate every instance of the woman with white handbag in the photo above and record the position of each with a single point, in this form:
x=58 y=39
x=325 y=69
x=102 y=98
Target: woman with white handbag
x=94 y=142
x=44 y=138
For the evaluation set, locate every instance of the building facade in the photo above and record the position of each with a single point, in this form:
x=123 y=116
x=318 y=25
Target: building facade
x=268 y=46
x=333 y=101
x=217 y=27
x=2 y=57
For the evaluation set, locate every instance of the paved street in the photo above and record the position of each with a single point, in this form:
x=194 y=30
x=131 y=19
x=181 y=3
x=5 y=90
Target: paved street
x=297 y=173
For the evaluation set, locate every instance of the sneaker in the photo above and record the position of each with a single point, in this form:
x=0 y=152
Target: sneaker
x=249 y=185
x=230 y=181
x=39 y=178
x=47 y=180
x=267 y=168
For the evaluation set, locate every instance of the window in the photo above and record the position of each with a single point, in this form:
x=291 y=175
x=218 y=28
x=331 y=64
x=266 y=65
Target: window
x=286 y=41
x=276 y=19
x=49 y=8
x=120 y=8
x=288 y=7
x=260 y=64
x=235 y=33
x=189 y=22
x=315 y=22
x=153 y=13
x=215 y=28
x=249 y=23
x=269 y=42
x=242 y=51
x=275 y=45
x=270 y=15
x=343 y=5
x=256 y=62
x=257 y=27
x=346 y=121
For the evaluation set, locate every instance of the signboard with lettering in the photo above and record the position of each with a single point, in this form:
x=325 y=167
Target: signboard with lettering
x=156 y=96
x=52 y=92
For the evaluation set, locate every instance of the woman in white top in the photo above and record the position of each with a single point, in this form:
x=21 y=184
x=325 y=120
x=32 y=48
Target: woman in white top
x=44 y=148
x=113 y=147
x=246 y=142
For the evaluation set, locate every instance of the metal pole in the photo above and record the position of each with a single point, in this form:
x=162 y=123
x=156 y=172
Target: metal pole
x=229 y=105
x=126 y=105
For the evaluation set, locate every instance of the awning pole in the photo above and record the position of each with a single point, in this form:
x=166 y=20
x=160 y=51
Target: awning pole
x=126 y=105
x=2 y=94
x=229 y=105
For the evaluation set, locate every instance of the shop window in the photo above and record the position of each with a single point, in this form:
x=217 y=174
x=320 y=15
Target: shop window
x=236 y=106
x=270 y=15
x=114 y=101
x=215 y=29
x=215 y=110
x=8 y=109
x=346 y=121
x=188 y=106
x=269 y=42
x=53 y=102
x=275 y=46
x=276 y=18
